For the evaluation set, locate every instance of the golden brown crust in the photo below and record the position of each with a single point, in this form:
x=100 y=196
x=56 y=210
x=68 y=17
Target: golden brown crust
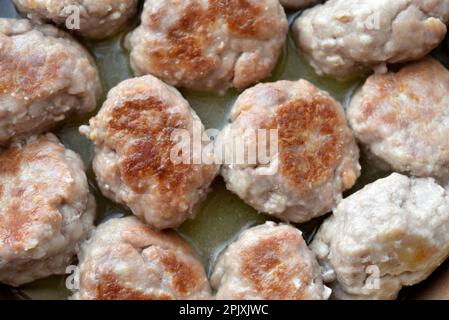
x=147 y=124
x=185 y=277
x=23 y=202
x=385 y=90
x=264 y=266
x=242 y=17
x=109 y=288
x=27 y=77
x=10 y=161
x=187 y=39
x=190 y=36
x=184 y=281
x=159 y=265
x=13 y=158
x=311 y=134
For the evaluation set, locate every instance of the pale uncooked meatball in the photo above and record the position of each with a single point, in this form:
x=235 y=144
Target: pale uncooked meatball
x=209 y=44
x=127 y=260
x=98 y=19
x=345 y=37
x=45 y=77
x=298 y=4
x=46 y=209
x=136 y=158
x=269 y=262
x=393 y=233
x=403 y=118
x=316 y=157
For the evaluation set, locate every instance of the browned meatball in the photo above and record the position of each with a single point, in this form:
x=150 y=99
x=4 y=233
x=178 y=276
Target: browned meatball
x=316 y=160
x=133 y=161
x=45 y=77
x=402 y=119
x=392 y=233
x=127 y=260
x=269 y=262
x=343 y=38
x=98 y=18
x=209 y=45
x=46 y=209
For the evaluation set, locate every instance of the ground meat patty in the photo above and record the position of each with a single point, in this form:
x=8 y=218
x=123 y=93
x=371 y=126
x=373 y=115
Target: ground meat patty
x=46 y=209
x=269 y=262
x=127 y=260
x=316 y=158
x=45 y=77
x=402 y=118
x=134 y=137
x=209 y=45
x=346 y=37
x=393 y=233
x=98 y=19
x=298 y=4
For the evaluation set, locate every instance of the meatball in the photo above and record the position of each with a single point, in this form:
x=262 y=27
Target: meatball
x=392 y=233
x=269 y=262
x=402 y=118
x=345 y=37
x=98 y=19
x=316 y=157
x=46 y=209
x=209 y=45
x=134 y=133
x=127 y=260
x=298 y=4
x=45 y=77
